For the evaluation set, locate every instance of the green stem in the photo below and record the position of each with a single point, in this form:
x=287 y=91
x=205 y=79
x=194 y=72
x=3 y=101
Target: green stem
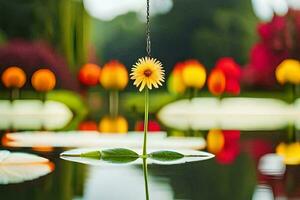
x=190 y=93
x=145 y=170
x=292 y=92
x=195 y=92
x=113 y=103
x=146 y=120
x=43 y=96
x=291 y=133
x=14 y=94
x=295 y=89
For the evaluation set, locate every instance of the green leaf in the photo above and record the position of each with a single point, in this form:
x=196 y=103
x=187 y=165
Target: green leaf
x=91 y=154
x=119 y=155
x=166 y=155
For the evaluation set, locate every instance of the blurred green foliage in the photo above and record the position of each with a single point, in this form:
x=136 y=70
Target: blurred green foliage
x=63 y=23
x=206 y=30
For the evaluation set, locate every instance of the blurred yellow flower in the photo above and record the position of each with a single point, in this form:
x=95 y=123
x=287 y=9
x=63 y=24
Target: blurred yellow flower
x=290 y=153
x=114 y=76
x=13 y=77
x=43 y=80
x=175 y=81
x=288 y=72
x=147 y=72
x=215 y=141
x=113 y=125
x=194 y=74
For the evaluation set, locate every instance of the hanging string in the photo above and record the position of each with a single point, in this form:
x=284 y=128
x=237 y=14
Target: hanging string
x=148 y=38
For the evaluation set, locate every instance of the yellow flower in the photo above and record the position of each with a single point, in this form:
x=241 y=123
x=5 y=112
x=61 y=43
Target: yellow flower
x=290 y=153
x=175 y=84
x=288 y=71
x=113 y=125
x=215 y=141
x=175 y=81
x=194 y=74
x=147 y=72
x=114 y=76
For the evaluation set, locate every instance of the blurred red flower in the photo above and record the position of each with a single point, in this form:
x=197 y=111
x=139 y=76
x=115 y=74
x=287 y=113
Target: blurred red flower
x=153 y=126
x=232 y=72
x=263 y=62
x=88 y=126
x=89 y=74
x=231 y=147
x=279 y=40
x=230 y=68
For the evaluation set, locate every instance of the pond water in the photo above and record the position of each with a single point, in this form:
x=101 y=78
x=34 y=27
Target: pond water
x=244 y=171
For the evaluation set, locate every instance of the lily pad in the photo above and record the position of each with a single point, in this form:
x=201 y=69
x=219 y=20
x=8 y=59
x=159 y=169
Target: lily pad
x=246 y=114
x=83 y=139
x=34 y=114
x=19 y=167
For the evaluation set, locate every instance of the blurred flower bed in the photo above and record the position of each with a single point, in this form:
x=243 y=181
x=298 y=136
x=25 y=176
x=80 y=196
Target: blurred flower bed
x=96 y=88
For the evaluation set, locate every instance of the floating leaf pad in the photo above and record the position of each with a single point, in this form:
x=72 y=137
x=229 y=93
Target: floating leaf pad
x=17 y=167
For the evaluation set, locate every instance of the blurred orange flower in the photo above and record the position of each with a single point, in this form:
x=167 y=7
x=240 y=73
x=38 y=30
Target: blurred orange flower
x=89 y=74
x=43 y=80
x=289 y=152
x=114 y=76
x=193 y=74
x=113 y=125
x=43 y=149
x=216 y=82
x=288 y=72
x=14 y=77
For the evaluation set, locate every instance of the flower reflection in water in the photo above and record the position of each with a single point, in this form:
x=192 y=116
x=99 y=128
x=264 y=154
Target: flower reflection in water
x=271 y=175
x=21 y=167
x=271 y=165
x=224 y=144
x=290 y=153
x=263 y=192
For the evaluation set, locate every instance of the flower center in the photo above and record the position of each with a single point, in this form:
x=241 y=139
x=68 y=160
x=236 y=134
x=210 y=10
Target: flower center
x=147 y=72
